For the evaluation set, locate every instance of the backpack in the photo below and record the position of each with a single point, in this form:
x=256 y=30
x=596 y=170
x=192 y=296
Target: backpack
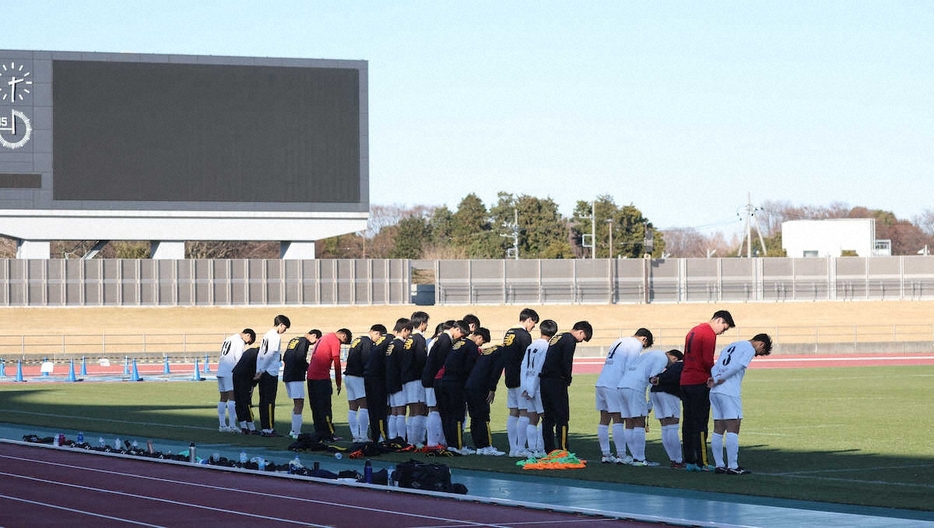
x=419 y=475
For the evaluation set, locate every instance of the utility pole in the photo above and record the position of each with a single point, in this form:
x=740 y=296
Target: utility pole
x=750 y=218
x=610 y=221
x=513 y=233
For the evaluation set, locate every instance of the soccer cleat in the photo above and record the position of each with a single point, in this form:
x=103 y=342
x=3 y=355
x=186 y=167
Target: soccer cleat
x=677 y=465
x=738 y=471
x=468 y=451
x=720 y=471
x=223 y=429
x=624 y=461
x=608 y=459
x=643 y=463
x=293 y=435
x=692 y=467
x=272 y=434
x=708 y=469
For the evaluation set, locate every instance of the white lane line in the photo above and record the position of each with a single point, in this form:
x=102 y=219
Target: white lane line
x=237 y=490
x=156 y=499
x=83 y=512
x=110 y=420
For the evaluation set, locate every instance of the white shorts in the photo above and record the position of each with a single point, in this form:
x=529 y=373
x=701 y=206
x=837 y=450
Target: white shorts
x=532 y=405
x=665 y=405
x=634 y=403
x=225 y=383
x=724 y=407
x=514 y=398
x=414 y=392
x=607 y=399
x=397 y=399
x=295 y=389
x=353 y=388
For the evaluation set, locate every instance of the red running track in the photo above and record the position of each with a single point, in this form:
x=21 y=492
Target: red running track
x=41 y=486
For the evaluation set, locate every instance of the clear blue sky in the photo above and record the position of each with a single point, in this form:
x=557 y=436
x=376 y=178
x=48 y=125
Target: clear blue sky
x=678 y=108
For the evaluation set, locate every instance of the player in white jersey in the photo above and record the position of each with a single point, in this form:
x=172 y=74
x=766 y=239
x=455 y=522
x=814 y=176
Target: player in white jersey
x=726 y=378
x=231 y=351
x=635 y=405
x=608 y=402
x=530 y=398
x=267 y=373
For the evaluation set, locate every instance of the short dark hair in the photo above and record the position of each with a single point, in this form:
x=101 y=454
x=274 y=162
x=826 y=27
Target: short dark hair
x=528 y=313
x=315 y=332
x=548 y=328
x=472 y=319
x=676 y=353
x=251 y=333
x=647 y=334
x=725 y=315
x=402 y=324
x=378 y=328
x=347 y=333
x=586 y=327
x=462 y=326
x=483 y=333
x=418 y=318
x=281 y=319
x=765 y=340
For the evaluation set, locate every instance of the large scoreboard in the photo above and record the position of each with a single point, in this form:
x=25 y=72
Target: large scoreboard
x=98 y=146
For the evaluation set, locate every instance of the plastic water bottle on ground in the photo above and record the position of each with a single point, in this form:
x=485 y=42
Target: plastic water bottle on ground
x=80 y=437
x=368 y=471
x=243 y=458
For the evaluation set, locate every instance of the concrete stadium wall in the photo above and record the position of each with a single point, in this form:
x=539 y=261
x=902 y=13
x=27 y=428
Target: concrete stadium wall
x=134 y=282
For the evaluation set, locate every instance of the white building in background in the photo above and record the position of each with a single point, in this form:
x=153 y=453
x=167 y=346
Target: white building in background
x=833 y=237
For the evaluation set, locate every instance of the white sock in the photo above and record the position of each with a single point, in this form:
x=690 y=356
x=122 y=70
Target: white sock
x=512 y=432
x=297 y=423
x=732 y=449
x=671 y=442
x=638 y=443
x=352 y=422
x=627 y=437
x=421 y=429
x=716 y=445
x=363 y=423
x=391 y=426
x=539 y=440
x=522 y=433
x=221 y=410
x=603 y=436
x=435 y=434
x=232 y=413
x=619 y=439
x=410 y=430
x=401 y=426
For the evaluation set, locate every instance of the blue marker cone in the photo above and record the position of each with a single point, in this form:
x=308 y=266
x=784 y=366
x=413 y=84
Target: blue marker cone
x=197 y=375
x=207 y=365
x=2 y=368
x=84 y=366
x=19 y=370
x=135 y=376
x=71 y=371
x=165 y=365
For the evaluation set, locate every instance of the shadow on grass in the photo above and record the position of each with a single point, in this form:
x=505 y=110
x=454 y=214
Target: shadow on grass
x=187 y=412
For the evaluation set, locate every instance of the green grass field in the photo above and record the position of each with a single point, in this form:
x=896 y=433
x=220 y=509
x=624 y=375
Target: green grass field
x=848 y=435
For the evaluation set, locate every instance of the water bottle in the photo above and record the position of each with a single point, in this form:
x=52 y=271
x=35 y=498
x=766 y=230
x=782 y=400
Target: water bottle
x=117 y=443
x=243 y=457
x=368 y=471
x=55 y=440
x=100 y=441
x=192 y=450
x=80 y=437
x=295 y=465
x=391 y=472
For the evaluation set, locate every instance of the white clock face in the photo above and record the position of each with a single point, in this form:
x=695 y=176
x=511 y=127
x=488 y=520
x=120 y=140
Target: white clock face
x=15 y=82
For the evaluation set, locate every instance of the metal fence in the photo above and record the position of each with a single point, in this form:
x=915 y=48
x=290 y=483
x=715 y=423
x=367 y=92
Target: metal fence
x=131 y=282
x=626 y=281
